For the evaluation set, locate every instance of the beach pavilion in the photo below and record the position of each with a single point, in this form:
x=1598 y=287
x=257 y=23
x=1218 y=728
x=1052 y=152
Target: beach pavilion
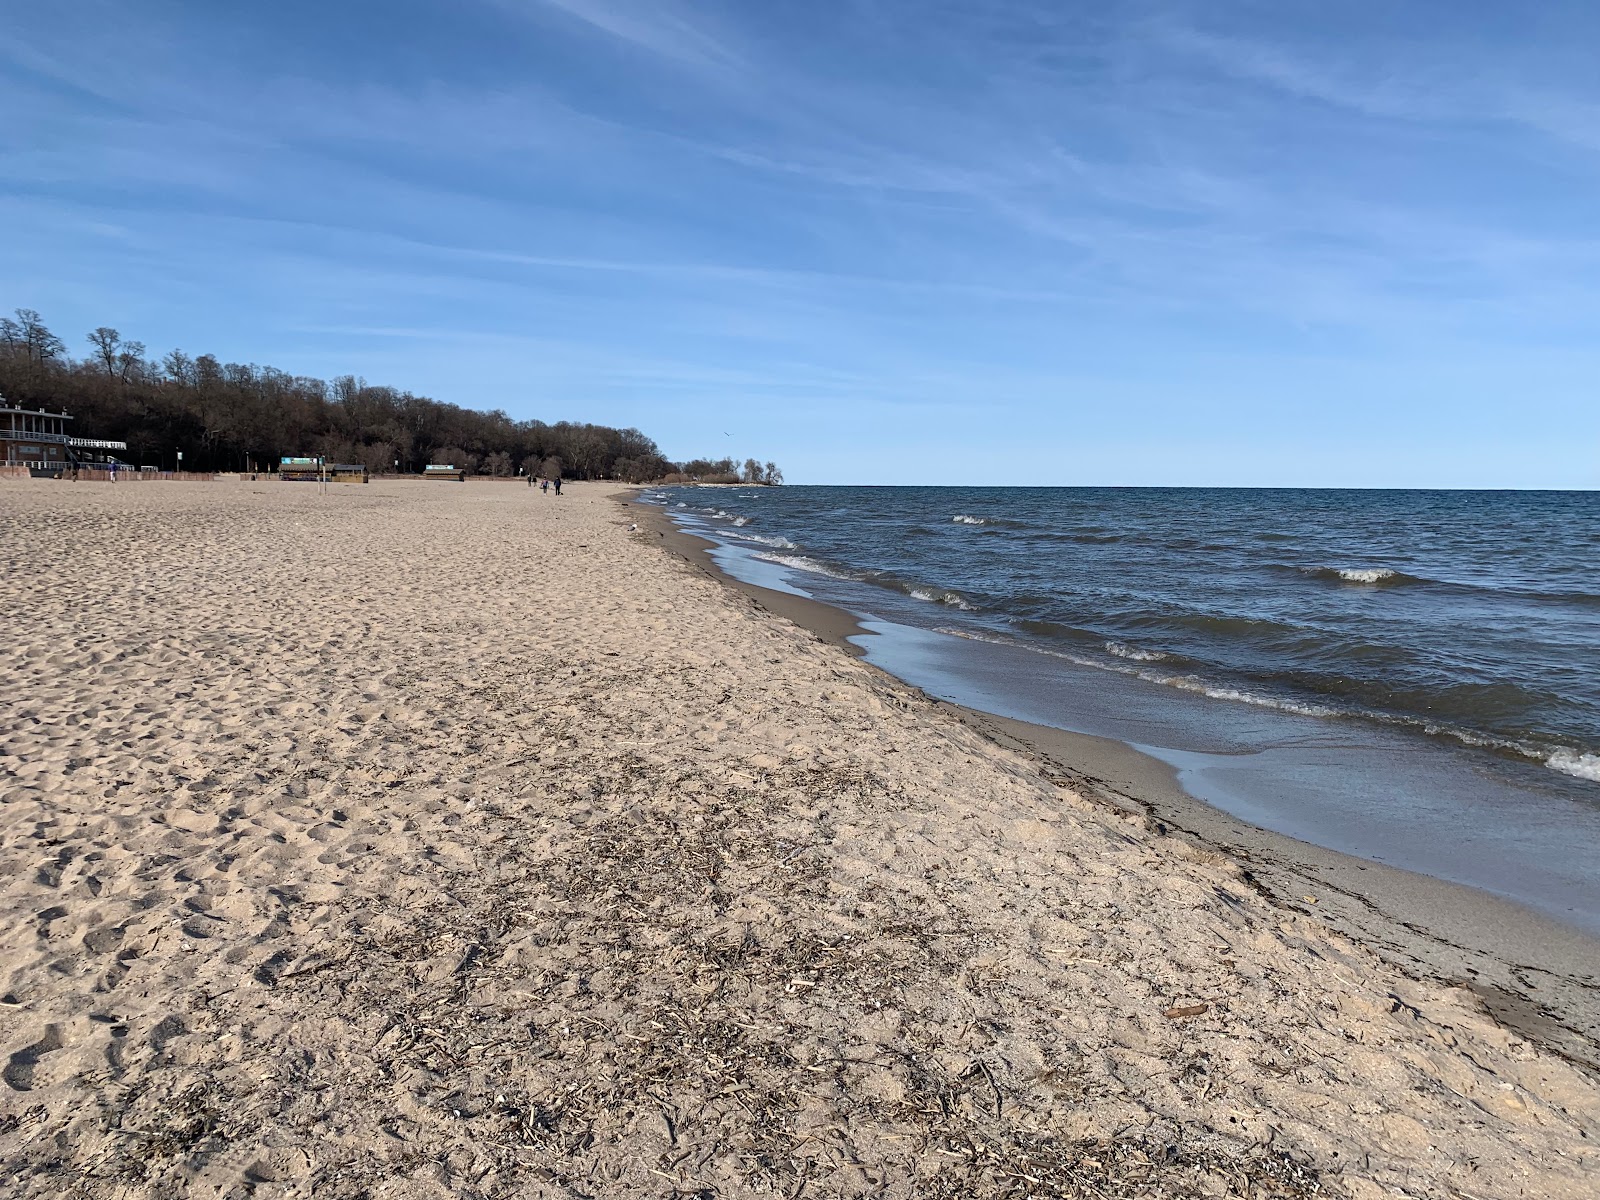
x=39 y=440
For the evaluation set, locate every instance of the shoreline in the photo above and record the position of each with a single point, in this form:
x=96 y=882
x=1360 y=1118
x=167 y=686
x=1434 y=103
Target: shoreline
x=479 y=849
x=1533 y=974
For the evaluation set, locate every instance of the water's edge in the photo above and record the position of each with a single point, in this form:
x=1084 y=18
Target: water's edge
x=1426 y=925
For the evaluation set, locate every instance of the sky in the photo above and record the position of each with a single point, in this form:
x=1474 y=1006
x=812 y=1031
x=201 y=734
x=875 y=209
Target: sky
x=877 y=241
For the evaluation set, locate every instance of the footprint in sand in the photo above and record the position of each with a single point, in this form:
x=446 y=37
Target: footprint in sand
x=18 y=1072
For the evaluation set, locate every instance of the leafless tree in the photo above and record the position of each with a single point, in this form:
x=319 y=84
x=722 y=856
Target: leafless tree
x=27 y=333
x=130 y=360
x=107 y=343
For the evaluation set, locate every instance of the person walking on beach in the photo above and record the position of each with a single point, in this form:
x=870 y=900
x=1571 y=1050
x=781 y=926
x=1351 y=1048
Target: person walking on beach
x=558 y=485
x=544 y=486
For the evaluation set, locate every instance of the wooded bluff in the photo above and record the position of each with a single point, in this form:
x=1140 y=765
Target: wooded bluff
x=241 y=417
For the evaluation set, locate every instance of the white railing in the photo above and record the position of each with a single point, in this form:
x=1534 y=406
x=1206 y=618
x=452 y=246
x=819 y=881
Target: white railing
x=20 y=435
x=78 y=443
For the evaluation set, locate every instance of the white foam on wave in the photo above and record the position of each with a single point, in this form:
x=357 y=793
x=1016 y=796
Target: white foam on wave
x=1190 y=683
x=777 y=543
x=1185 y=683
x=963 y=519
x=741 y=521
x=1575 y=763
x=1133 y=652
x=947 y=598
x=1364 y=574
x=800 y=562
x=1579 y=764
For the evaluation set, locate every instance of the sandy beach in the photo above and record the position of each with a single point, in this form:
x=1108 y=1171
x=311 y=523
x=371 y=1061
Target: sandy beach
x=427 y=840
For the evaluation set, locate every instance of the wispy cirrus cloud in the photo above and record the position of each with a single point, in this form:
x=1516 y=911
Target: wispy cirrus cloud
x=727 y=204
x=1421 y=81
x=660 y=27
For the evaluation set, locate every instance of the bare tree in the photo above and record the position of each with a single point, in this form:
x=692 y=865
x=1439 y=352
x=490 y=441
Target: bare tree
x=130 y=360
x=774 y=475
x=179 y=368
x=107 y=343
x=377 y=457
x=27 y=333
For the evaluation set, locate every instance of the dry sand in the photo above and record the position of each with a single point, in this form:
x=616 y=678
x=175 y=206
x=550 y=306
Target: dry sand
x=427 y=840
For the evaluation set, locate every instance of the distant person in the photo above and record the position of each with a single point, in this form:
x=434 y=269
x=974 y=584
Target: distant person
x=544 y=486
x=558 y=485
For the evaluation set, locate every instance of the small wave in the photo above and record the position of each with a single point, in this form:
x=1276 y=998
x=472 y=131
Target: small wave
x=741 y=521
x=1190 y=683
x=933 y=596
x=1095 y=538
x=777 y=543
x=1134 y=653
x=1367 y=576
x=800 y=562
x=993 y=522
x=1184 y=683
x=1575 y=763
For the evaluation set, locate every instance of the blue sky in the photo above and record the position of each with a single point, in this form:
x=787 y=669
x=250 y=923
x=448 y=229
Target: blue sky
x=875 y=240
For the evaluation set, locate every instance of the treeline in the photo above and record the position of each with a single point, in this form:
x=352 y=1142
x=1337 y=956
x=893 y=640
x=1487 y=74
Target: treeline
x=240 y=417
x=723 y=470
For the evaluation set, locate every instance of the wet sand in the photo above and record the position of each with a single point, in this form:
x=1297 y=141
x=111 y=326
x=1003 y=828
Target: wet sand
x=429 y=840
x=1538 y=976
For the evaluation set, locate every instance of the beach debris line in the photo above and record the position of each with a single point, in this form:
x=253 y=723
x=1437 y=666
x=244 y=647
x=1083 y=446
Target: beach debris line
x=616 y=1003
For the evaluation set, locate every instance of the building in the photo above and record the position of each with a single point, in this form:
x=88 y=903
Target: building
x=38 y=439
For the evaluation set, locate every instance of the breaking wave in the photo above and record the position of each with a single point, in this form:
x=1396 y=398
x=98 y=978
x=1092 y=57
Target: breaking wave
x=1575 y=763
x=1367 y=576
x=777 y=543
x=993 y=522
x=1186 y=683
x=800 y=562
x=937 y=596
x=1134 y=653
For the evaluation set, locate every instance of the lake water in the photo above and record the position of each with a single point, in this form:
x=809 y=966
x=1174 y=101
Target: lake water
x=1412 y=676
